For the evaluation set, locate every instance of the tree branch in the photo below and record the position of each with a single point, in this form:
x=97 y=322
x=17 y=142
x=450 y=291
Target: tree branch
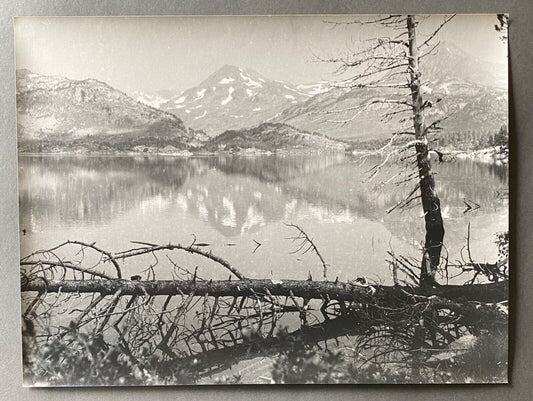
x=306 y=240
x=150 y=248
x=434 y=33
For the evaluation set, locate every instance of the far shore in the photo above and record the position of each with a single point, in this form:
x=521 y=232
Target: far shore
x=490 y=155
x=243 y=152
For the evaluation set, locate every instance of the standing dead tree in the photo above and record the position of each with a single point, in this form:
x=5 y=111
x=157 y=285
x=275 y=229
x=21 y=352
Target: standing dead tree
x=391 y=64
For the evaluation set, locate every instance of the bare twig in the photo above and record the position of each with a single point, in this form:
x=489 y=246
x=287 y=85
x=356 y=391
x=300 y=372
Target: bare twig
x=307 y=243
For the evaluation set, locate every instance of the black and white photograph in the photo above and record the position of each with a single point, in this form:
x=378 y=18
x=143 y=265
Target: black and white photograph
x=297 y=199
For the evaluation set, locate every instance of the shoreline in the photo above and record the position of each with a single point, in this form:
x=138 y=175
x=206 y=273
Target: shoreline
x=186 y=154
x=491 y=155
x=486 y=155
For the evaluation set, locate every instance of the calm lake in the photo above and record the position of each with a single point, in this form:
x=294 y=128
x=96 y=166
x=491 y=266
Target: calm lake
x=235 y=202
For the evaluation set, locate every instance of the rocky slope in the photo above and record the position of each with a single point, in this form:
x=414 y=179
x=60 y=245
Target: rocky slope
x=272 y=137
x=57 y=109
x=468 y=107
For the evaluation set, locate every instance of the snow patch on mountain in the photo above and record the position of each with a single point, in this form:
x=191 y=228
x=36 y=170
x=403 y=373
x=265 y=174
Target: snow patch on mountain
x=149 y=99
x=314 y=89
x=200 y=94
x=201 y=115
x=229 y=98
x=249 y=81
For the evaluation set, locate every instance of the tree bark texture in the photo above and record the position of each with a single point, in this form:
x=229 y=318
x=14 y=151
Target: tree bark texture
x=430 y=200
x=341 y=291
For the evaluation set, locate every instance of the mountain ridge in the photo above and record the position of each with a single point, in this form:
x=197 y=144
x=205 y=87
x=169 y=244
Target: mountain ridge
x=60 y=115
x=272 y=137
x=55 y=109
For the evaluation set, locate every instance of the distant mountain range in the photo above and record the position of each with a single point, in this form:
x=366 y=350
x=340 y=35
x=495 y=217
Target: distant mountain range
x=57 y=114
x=451 y=63
x=468 y=107
x=470 y=92
x=233 y=104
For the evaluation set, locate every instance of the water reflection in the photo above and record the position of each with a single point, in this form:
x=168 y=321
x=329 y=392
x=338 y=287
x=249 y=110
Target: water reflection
x=64 y=190
x=237 y=195
x=275 y=167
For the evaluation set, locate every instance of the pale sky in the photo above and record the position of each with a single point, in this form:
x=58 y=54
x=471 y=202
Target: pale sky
x=153 y=53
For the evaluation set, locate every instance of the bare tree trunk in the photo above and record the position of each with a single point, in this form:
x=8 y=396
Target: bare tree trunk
x=384 y=295
x=430 y=199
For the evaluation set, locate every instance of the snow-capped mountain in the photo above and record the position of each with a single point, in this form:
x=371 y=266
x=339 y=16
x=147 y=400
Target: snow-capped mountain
x=157 y=98
x=235 y=98
x=55 y=108
x=472 y=94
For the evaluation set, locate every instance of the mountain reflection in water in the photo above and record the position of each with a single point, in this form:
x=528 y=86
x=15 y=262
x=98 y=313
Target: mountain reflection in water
x=236 y=199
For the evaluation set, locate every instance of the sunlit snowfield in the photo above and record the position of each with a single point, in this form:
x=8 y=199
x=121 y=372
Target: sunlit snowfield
x=233 y=203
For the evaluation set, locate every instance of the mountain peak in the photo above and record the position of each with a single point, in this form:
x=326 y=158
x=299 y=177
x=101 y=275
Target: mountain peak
x=233 y=98
x=228 y=68
x=230 y=73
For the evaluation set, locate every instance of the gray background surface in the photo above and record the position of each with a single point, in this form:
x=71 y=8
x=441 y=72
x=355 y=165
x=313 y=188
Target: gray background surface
x=521 y=70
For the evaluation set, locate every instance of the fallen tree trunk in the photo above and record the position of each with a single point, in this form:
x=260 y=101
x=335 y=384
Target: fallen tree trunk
x=326 y=290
